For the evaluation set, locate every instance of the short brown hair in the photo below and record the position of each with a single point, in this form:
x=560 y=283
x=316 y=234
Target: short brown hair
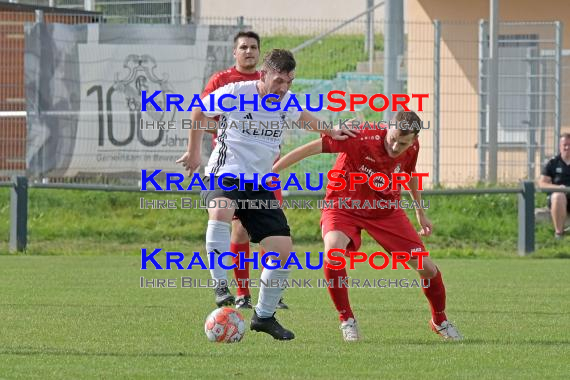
x=410 y=120
x=248 y=34
x=565 y=136
x=279 y=60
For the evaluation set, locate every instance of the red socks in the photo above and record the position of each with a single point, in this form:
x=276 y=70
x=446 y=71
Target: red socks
x=241 y=275
x=339 y=295
x=435 y=294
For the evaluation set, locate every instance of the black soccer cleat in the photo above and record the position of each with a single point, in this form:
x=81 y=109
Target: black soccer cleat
x=281 y=304
x=223 y=296
x=270 y=326
x=243 y=302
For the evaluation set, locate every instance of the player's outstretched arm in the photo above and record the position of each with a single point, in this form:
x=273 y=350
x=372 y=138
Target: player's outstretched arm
x=296 y=155
x=313 y=123
x=545 y=182
x=192 y=158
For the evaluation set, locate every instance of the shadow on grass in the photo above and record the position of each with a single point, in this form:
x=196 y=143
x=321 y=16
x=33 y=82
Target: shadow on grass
x=479 y=341
x=32 y=351
x=393 y=310
x=29 y=351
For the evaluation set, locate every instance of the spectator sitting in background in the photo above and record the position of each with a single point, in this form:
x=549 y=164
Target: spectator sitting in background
x=556 y=174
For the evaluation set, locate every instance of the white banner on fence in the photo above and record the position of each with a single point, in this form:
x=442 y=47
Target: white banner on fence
x=84 y=104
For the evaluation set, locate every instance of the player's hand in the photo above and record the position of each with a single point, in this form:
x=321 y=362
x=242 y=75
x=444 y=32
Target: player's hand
x=425 y=224
x=338 y=133
x=190 y=161
x=343 y=134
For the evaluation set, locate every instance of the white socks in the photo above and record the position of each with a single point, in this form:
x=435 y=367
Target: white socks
x=218 y=240
x=270 y=295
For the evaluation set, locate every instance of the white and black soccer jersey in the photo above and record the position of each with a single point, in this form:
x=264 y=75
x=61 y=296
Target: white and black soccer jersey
x=245 y=144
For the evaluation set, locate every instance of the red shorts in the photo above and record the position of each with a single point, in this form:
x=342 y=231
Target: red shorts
x=394 y=232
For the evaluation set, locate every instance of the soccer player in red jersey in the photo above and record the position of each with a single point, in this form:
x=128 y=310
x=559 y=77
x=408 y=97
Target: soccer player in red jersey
x=246 y=54
x=386 y=150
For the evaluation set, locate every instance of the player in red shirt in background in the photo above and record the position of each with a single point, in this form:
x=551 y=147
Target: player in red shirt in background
x=376 y=150
x=246 y=54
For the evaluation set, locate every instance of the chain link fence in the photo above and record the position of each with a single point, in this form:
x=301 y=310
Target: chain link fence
x=447 y=60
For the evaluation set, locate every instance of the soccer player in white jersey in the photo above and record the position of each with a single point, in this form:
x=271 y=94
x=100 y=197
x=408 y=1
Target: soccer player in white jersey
x=250 y=152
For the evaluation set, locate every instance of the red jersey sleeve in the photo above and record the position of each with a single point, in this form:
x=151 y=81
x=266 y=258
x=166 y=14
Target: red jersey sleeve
x=339 y=146
x=212 y=85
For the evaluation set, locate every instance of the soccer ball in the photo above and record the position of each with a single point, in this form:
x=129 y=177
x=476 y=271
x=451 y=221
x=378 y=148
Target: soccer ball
x=224 y=325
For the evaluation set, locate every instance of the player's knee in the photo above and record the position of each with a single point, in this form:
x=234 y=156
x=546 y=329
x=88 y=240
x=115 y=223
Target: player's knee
x=239 y=233
x=331 y=253
x=558 y=199
x=428 y=267
x=336 y=239
x=221 y=214
x=282 y=245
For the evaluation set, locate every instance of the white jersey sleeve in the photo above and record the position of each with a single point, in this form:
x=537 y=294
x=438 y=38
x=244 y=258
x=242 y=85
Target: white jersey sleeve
x=227 y=102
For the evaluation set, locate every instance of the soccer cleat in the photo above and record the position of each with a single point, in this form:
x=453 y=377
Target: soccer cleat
x=270 y=326
x=559 y=236
x=446 y=330
x=243 y=302
x=350 y=330
x=281 y=304
x=223 y=296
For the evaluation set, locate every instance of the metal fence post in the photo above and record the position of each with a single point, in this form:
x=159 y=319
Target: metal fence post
x=493 y=91
x=370 y=30
x=482 y=144
x=175 y=12
x=558 y=84
x=526 y=218
x=393 y=48
x=19 y=214
x=369 y=25
x=89 y=5
x=436 y=93
x=533 y=126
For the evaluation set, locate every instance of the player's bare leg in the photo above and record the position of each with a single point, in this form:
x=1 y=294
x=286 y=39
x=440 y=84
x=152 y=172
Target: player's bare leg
x=264 y=315
x=339 y=293
x=434 y=290
x=240 y=243
x=218 y=241
x=558 y=213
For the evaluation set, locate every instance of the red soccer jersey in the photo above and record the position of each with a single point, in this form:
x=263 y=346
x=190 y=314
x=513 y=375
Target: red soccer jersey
x=367 y=154
x=231 y=75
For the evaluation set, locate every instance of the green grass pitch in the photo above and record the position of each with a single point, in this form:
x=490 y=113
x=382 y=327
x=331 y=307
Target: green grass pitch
x=86 y=317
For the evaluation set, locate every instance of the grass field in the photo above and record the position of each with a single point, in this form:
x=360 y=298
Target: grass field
x=333 y=54
x=71 y=306
x=69 y=222
x=86 y=317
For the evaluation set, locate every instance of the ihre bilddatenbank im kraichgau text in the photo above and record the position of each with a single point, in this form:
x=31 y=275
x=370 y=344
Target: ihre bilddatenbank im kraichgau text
x=338 y=180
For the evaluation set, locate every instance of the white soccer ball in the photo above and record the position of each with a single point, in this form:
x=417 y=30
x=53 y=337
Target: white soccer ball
x=224 y=325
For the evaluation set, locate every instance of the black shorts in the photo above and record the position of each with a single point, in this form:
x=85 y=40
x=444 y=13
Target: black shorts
x=259 y=222
x=549 y=202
